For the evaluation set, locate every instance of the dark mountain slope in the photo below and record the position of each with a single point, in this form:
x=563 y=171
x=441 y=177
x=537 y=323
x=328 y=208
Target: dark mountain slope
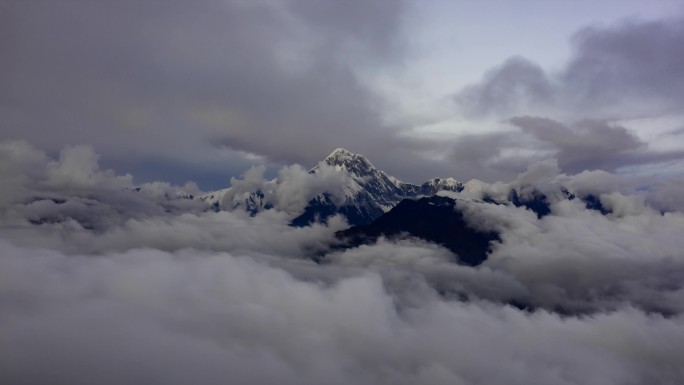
x=434 y=219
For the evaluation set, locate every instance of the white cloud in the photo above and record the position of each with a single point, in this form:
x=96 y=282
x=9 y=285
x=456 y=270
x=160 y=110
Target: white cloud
x=151 y=316
x=143 y=286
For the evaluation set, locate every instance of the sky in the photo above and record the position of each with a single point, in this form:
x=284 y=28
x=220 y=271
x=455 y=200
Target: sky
x=177 y=91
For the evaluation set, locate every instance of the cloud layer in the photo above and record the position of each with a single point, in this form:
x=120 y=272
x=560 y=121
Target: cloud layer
x=103 y=282
x=149 y=316
x=187 y=85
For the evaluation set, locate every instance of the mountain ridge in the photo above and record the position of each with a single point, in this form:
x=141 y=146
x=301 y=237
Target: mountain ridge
x=436 y=219
x=368 y=192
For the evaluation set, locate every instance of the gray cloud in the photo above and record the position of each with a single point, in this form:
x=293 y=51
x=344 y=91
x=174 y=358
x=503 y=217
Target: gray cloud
x=159 y=289
x=151 y=316
x=194 y=92
x=70 y=204
x=515 y=85
x=631 y=69
x=577 y=146
x=592 y=144
x=584 y=145
x=633 y=61
x=569 y=261
x=290 y=192
x=147 y=82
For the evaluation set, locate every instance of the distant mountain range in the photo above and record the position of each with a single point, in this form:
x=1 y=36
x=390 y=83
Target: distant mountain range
x=378 y=205
x=368 y=194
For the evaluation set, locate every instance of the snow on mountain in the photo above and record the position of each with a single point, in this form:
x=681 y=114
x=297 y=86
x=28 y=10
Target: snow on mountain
x=229 y=199
x=367 y=183
x=435 y=185
x=369 y=193
x=347 y=183
x=364 y=194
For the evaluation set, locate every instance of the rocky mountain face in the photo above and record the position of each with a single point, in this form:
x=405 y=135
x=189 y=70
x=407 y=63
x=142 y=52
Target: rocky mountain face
x=435 y=219
x=253 y=202
x=369 y=193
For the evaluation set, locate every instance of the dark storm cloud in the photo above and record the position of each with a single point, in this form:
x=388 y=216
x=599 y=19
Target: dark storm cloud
x=516 y=84
x=627 y=70
x=155 y=80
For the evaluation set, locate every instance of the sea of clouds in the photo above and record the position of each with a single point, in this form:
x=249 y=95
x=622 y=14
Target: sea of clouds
x=108 y=282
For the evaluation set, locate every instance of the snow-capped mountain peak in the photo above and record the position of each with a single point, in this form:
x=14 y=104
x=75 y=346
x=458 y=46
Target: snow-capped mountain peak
x=354 y=164
x=340 y=152
x=366 y=183
x=370 y=192
x=367 y=192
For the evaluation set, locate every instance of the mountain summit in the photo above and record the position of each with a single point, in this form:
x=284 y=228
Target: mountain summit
x=367 y=183
x=369 y=193
x=349 y=162
x=366 y=193
x=342 y=157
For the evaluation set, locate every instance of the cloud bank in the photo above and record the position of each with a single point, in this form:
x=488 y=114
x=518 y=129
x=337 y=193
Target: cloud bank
x=105 y=281
x=217 y=81
x=150 y=316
